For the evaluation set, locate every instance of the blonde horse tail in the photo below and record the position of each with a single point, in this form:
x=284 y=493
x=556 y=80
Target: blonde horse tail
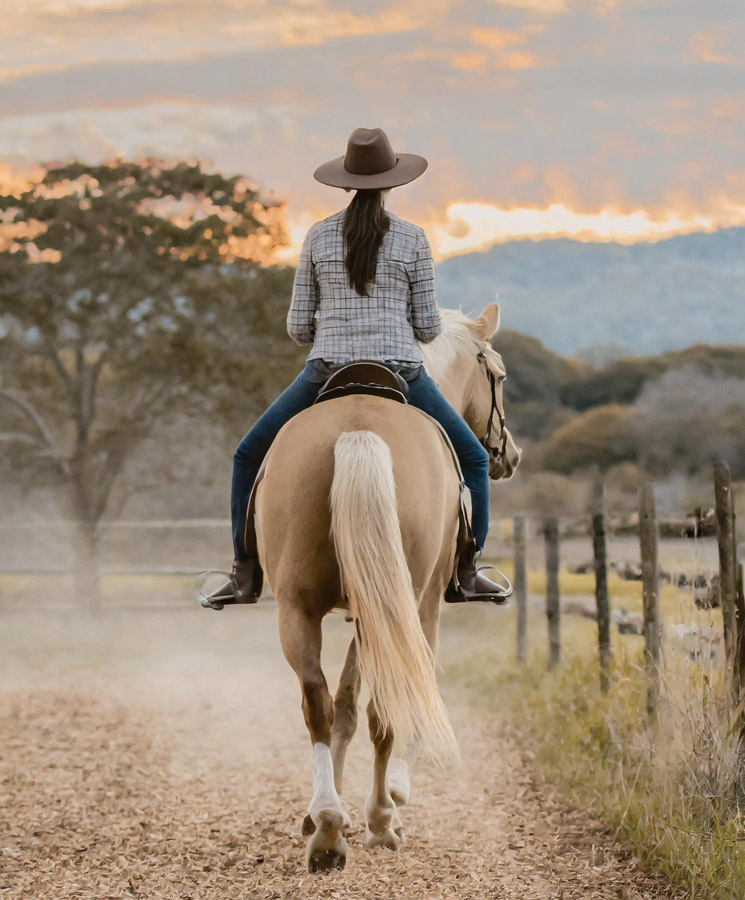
x=395 y=659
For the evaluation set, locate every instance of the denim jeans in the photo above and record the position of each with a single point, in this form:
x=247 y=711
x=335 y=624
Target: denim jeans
x=423 y=393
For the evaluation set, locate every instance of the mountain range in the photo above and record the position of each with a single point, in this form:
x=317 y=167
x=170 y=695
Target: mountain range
x=630 y=299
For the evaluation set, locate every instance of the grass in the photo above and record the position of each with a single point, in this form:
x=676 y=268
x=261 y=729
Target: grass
x=571 y=584
x=667 y=791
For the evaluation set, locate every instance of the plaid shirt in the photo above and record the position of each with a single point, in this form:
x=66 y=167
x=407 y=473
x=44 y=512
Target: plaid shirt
x=344 y=326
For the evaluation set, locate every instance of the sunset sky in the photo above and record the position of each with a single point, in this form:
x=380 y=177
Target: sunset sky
x=603 y=119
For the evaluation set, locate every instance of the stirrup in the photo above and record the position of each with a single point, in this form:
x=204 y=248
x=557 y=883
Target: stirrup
x=497 y=597
x=207 y=598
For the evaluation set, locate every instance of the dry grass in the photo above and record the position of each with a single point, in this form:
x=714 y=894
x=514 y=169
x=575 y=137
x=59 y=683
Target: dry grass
x=669 y=791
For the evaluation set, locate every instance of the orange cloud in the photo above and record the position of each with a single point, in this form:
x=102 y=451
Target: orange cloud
x=495 y=38
x=317 y=28
x=475 y=226
x=468 y=62
x=475 y=60
x=703 y=48
x=521 y=60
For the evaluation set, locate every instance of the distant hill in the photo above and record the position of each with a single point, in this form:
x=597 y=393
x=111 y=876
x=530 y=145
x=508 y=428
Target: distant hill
x=545 y=390
x=647 y=297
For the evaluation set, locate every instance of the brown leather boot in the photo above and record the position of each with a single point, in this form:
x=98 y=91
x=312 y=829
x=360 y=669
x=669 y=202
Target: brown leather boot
x=243 y=585
x=472 y=584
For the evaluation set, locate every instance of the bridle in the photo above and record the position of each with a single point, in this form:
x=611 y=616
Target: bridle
x=495 y=454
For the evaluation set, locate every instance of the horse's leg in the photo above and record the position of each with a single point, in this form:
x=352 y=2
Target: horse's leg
x=300 y=635
x=345 y=725
x=345 y=712
x=380 y=810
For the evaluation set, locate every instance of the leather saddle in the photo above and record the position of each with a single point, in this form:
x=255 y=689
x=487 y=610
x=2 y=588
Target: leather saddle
x=365 y=378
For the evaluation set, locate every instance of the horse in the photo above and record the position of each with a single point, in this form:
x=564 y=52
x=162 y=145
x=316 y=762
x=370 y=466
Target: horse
x=358 y=511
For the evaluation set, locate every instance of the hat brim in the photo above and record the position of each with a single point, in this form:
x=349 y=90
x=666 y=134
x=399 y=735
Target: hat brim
x=408 y=167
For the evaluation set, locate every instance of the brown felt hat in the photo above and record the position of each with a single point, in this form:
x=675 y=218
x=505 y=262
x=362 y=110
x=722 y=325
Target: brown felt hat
x=370 y=163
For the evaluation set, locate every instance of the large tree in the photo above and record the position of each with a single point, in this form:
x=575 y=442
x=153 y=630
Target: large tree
x=128 y=291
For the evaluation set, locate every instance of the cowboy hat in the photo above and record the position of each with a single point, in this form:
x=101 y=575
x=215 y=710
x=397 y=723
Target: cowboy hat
x=370 y=163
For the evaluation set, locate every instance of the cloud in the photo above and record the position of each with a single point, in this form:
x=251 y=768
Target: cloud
x=495 y=38
x=707 y=48
x=518 y=105
x=63 y=32
x=471 y=226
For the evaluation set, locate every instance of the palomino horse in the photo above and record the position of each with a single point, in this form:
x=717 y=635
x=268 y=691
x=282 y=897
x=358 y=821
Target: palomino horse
x=358 y=510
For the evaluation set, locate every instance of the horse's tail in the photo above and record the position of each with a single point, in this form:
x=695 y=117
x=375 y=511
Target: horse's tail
x=394 y=658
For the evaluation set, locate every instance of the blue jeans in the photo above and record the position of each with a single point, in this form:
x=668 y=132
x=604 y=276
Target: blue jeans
x=423 y=393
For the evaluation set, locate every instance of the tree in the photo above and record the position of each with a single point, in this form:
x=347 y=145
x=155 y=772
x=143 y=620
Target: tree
x=535 y=376
x=623 y=381
x=126 y=294
x=688 y=419
x=598 y=438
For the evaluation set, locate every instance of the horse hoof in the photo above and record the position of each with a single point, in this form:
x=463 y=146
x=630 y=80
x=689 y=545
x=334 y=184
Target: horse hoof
x=327 y=848
x=309 y=826
x=399 y=832
x=388 y=839
x=326 y=861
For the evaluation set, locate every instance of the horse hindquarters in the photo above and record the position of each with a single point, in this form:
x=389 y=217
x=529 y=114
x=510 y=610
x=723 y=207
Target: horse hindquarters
x=395 y=659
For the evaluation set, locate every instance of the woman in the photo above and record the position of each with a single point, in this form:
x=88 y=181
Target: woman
x=364 y=290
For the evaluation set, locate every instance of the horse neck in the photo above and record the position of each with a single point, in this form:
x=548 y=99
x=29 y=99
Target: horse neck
x=456 y=385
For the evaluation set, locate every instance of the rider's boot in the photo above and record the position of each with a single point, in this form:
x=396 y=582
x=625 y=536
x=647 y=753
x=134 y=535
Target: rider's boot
x=472 y=584
x=240 y=587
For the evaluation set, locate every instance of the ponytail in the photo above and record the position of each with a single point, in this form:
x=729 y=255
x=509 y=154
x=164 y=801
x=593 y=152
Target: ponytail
x=365 y=225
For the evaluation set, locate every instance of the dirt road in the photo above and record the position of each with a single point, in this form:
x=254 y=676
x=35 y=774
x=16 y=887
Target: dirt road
x=163 y=755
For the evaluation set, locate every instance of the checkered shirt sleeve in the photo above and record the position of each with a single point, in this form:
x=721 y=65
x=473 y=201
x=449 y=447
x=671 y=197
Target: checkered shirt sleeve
x=301 y=318
x=425 y=313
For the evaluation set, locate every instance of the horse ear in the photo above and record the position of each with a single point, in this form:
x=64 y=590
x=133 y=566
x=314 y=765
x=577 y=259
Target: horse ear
x=488 y=322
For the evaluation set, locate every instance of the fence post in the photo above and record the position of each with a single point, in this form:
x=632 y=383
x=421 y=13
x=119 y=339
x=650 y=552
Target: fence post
x=551 y=533
x=740 y=627
x=727 y=573
x=519 y=537
x=601 y=584
x=740 y=771
x=650 y=594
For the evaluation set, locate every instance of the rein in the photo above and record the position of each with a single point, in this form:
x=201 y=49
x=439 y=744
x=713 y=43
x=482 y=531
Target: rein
x=495 y=454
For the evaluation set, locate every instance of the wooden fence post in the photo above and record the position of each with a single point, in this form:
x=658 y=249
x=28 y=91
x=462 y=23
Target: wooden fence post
x=740 y=628
x=650 y=594
x=727 y=574
x=519 y=537
x=551 y=533
x=740 y=771
x=601 y=584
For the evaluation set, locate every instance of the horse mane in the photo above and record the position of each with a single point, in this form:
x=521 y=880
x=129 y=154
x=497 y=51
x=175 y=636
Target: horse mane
x=459 y=339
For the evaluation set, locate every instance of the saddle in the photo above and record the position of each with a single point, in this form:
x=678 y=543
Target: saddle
x=370 y=378
x=377 y=380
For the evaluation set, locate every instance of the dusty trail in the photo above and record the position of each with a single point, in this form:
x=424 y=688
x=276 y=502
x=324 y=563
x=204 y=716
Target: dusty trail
x=164 y=755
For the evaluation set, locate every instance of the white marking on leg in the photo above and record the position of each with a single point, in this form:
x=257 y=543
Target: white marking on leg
x=324 y=793
x=326 y=847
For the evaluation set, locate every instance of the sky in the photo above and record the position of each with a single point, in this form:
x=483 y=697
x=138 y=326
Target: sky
x=599 y=119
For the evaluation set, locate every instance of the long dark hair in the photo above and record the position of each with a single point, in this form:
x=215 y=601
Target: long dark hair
x=365 y=225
